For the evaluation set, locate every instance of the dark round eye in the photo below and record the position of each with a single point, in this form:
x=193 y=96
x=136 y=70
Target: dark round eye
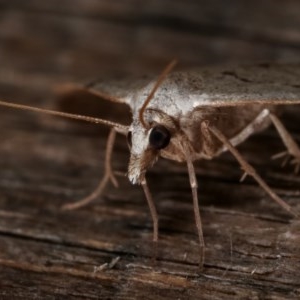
x=159 y=137
x=129 y=139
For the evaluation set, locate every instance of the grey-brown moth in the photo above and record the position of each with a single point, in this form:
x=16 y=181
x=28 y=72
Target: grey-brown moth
x=191 y=115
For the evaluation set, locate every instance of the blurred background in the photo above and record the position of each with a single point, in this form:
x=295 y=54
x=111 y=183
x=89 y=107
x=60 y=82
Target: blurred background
x=48 y=41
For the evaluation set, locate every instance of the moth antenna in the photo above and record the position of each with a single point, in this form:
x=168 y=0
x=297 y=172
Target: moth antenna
x=160 y=79
x=119 y=127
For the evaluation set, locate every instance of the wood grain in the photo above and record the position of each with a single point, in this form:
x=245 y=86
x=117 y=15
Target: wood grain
x=252 y=246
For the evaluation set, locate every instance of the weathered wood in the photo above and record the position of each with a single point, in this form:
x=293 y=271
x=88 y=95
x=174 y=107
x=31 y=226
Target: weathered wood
x=252 y=246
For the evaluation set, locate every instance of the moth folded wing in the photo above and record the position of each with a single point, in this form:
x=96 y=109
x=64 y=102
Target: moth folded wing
x=121 y=90
x=106 y=103
x=273 y=84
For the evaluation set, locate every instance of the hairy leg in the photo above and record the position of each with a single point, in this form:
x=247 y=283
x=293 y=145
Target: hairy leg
x=250 y=170
x=293 y=149
x=194 y=187
x=152 y=209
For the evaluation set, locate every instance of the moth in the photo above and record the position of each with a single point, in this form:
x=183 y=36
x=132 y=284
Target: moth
x=192 y=115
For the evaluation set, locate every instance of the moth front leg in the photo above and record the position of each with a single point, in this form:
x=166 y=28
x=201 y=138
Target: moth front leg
x=290 y=144
x=250 y=170
x=194 y=187
x=152 y=209
x=154 y=215
x=108 y=175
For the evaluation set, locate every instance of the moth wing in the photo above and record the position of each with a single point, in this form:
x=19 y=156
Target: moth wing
x=119 y=90
x=262 y=83
x=183 y=91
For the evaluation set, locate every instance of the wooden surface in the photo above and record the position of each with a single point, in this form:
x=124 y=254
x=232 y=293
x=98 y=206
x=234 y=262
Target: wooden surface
x=252 y=245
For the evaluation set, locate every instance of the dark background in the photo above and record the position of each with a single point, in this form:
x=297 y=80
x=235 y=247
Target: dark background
x=252 y=246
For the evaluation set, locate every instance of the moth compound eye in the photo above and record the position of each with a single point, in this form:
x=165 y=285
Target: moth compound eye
x=129 y=139
x=159 y=137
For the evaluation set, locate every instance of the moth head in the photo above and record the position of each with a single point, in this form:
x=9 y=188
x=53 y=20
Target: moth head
x=146 y=144
x=149 y=133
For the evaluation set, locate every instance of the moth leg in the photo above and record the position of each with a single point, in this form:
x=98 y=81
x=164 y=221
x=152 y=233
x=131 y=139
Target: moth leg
x=290 y=144
x=250 y=170
x=108 y=175
x=152 y=209
x=194 y=187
